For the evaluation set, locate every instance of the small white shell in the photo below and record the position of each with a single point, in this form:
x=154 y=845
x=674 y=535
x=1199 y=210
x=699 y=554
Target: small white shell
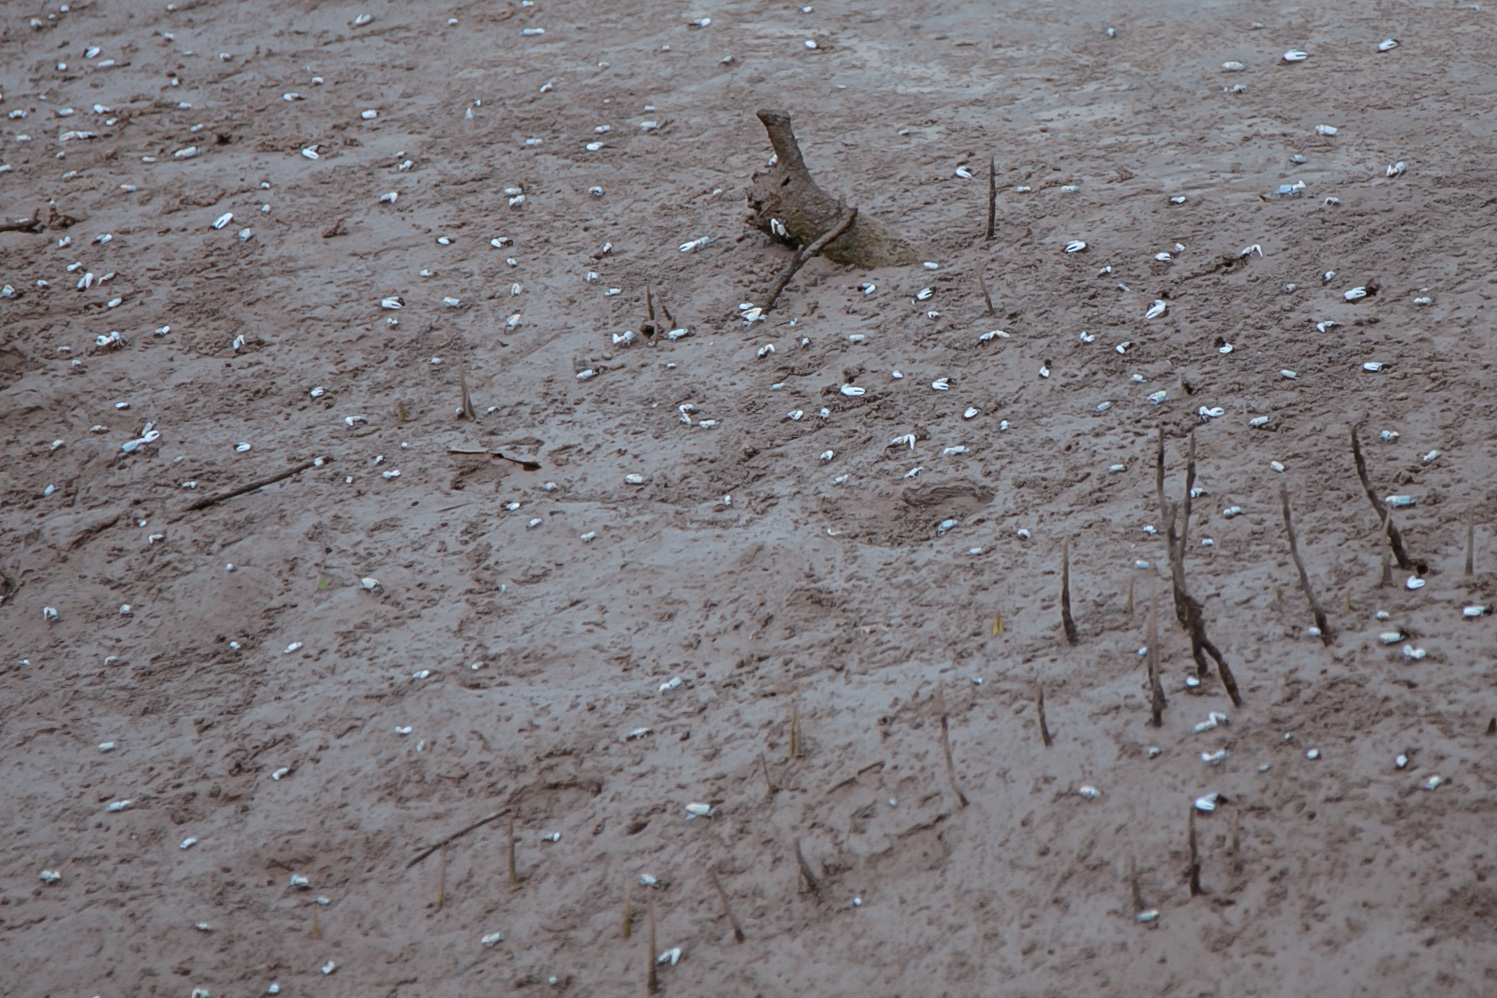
x=1355 y=293
x=964 y=173
x=1158 y=397
x=1232 y=511
x=300 y=880
x=970 y=412
x=223 y=220
x=1412 y=653
x=1207 y=803
x=1075 y=246
x=1396 y=169
x=995 y=334
x=941 y=384
x=700 y=810
x=489 y=940
x=1326 y=129
x=827 y=455
x=1414 y=582
x=187 y=843
x=1387 y=45
x=1373 y=365
x=1433 y=782
x=1295 y=55
x=1160 y=307
x=310 y=152
x=853 y=391
x=1088 y=791
x=1233 y=67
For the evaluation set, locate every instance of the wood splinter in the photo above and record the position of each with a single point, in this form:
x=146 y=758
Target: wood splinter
x=790 y=207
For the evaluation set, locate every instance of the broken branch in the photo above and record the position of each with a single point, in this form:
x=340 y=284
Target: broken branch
x=849 y=215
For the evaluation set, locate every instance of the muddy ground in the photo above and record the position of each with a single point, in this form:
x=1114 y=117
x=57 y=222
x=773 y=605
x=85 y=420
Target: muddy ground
x=523 y=617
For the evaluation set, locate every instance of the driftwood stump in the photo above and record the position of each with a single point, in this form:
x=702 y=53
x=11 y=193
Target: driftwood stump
x=785 y=193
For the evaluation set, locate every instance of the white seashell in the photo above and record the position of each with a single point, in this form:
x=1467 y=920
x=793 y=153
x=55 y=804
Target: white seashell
x=1232 y=512
x=50 y=876
x=49 y=613
x=1387 y=45
x=1313 y=754
x=946 y=525
x=1412 y=653
x=1396 y=169
x=924 y=294
x=941 y=384
x=1215 y=758
x=1400 y=501
x=489 y=940
x=187 y=153
x=1158 y=397
x=1433 y=782
x=1164 y=257
x=809 y=43
x=1086 y=337
x=1160 y=307
x=1432 y=455
x=951 y=451
x=827 y=455
x=310 y=152
x=587 y=374
x=369 y=115
x=907 y=439
x=1088 y=791
x=852 y=390
x=694 y=244
x=673 y=955
x=1390 y=637
x=300 y=880
x=1295 y=55
x=387 y=475
x=1121 y=349
x=674 y=683
x=766 y=350
x=1116 y=468
x=328 y=968
x=591 y=535
x=223 y=220
x=1326 y=129
x=996 y=334
x=1373 y=365
x=752 y=314
x=1355 y=293
x=393 y=302
x=1424 y=301
x=245 y=235
x=1212 y=412
x=1400 y=760
x=1178 y=199
x=369 y=583
x=1475 y=610
x=1233 y=67
x=1207 y=803
x=913 y=472
x=281 y=773
x=1075 y=246
x=970 y=412
x=1276 y=465
x=634 y=479
x=119 y=805
x=700 y=810
x=1414 y=582
x=1022 y=533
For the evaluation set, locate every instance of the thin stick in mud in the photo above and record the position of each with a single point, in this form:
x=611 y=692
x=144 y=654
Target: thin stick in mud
x=462 y=378
x=459 y=834
x=652 y=979
x=1195 y=858
x=813 y=884
x=1157 y=702
x=982 y=283
x=628 y=927
x=992 y=199
x=1395 y=539
x=1470 y=548
x=509 y=837
x=1068 y=623
x=946 y=751
x=849 y=215
x=214 y=500
x=1039 y=710
x=1304 y=577
x=722 y=896
x=441 y=877
x=768 y=783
